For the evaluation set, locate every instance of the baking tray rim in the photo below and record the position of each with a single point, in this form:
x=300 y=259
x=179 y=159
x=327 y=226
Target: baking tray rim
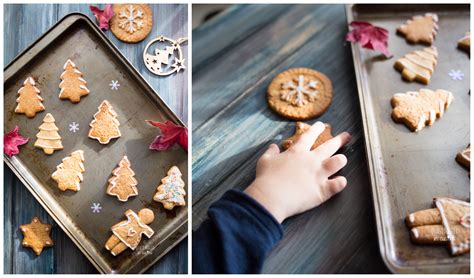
x=40 y=195
x=372 y=142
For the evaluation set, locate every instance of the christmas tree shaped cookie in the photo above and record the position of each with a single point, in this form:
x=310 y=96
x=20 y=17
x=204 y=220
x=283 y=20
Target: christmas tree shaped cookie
x=105 y=125
x=128 y=234
x=171 y=190
x=418 y=65
x=29 y=101
x=72 y=85
x=68 y=174
x=48 y=136
x=420 y=29
x=123 y=184
x=418 y=109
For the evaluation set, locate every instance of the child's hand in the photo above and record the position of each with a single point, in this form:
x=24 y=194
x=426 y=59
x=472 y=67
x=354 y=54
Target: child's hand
x=296 y=180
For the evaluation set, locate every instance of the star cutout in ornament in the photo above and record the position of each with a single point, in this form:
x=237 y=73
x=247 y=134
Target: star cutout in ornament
x=178 y=64
x=36 y=235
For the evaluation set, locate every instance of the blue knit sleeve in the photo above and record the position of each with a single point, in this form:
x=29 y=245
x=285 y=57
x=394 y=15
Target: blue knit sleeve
x=237 y=236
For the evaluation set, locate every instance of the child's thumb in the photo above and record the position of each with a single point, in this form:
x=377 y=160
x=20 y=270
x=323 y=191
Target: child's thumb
x=272 y=150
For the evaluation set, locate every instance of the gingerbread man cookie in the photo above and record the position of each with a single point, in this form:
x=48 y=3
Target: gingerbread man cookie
x=68 y=174
x=449 y=223
x=131 y=22
x=300 y=94
x=36 y=235
x=420 y=29
x=171 y=190
x=72 y=85
x=301 y=128
x=418 y=65
x=128 y=234
x=419 y=109
x=123 y=184
x=29 y=101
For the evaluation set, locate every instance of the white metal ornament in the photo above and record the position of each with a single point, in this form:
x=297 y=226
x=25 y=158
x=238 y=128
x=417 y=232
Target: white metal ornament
x=154 y=63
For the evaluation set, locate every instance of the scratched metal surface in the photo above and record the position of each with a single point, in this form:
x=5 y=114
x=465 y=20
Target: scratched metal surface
x=232 y=127
x=23 y=24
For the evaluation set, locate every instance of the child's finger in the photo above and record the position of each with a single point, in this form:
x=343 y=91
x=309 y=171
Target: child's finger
x=307 y=139
x=330 y=147
x=335 y=163
x=272 y=150
x=335 y=185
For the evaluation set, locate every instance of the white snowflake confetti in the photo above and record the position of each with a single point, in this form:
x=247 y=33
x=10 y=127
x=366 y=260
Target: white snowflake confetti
x=296 y=91
x=114 y=85
x=96 y=207
x=131 y=20
x=74 y=127
x=456 y=74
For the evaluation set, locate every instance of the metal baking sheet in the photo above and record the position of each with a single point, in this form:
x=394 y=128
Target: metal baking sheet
x=408 y=169
x=76 y=37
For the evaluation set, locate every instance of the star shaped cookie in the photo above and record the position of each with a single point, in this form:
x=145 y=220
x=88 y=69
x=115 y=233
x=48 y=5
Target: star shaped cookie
x=36 y=235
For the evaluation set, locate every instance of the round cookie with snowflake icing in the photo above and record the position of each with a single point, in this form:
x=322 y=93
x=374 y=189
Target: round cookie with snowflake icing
x=131 y=22
x=300 y=94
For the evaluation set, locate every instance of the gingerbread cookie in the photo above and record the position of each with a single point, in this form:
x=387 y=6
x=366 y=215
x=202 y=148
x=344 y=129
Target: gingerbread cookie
x=36 y=235
x=171 y=190
x=300 y=94
x=418 y=109
x=68 y=174
x=418 y=65
x=464 y=157
x=29 y=101
x=105 y=125
x=301 y=128
x=72 y=85
x=465 y=42
x=48 y=136
x=123 y=184
x=448 y=223
x=420 y=29
x=131 y=22
x=128 y=234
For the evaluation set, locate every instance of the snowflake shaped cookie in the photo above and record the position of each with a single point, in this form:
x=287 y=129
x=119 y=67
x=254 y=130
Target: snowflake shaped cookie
x=294 y=91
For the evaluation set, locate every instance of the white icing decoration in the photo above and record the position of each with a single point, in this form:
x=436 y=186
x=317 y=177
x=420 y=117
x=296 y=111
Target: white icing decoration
x=411 y=217
x=69 y=62
x=297 y=91
x=416 y=234
x=421 y=122
x=131 y=19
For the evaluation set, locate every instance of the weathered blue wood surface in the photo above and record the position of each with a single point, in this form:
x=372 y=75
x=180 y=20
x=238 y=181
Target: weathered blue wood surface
x=235 y=56
x=23 y=24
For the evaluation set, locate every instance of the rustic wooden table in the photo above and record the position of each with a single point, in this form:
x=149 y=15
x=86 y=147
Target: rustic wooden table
x=23 y=24
x=235 y=56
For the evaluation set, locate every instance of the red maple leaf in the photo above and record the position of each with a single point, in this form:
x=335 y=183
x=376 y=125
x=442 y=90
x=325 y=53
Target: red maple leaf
x=103 y=16
x=12 y=140
x=170 y=134
x=369 y=36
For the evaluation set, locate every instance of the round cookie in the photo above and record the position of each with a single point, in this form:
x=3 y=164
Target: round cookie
x=300 y=94
x=131 y=22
